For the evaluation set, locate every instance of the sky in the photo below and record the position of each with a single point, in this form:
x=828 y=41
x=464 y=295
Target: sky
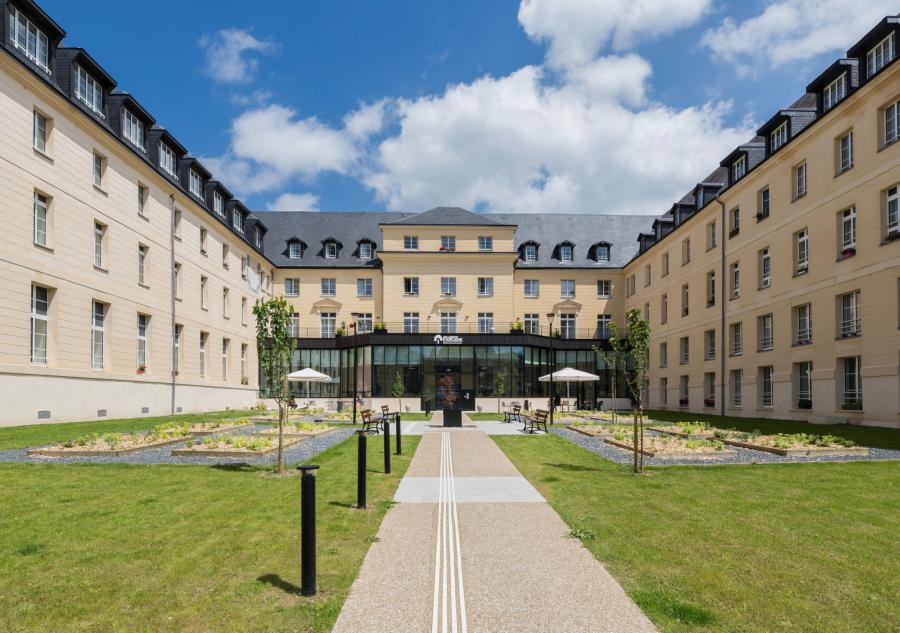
x=589 y=106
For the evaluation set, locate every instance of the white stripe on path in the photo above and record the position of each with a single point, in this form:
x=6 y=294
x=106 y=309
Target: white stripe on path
x=448 y=575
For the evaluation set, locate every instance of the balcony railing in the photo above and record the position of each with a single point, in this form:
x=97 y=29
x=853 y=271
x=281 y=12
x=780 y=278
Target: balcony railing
x=462 y=327
x=766 y=343
x=804 y=336
x=850 y=327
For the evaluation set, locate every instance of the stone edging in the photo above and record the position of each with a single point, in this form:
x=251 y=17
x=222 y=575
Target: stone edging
x=55 y=452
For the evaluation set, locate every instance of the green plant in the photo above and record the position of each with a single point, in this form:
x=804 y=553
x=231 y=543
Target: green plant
x=398 y=389
x=499 y=387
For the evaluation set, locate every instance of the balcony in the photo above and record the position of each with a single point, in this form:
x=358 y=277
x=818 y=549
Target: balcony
x=423 y=326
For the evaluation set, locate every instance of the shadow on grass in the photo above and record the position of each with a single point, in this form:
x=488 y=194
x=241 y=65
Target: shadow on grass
x=341 y=504
x=279 y=583
x=241 y=467
x=656 y=603
x=574 y=467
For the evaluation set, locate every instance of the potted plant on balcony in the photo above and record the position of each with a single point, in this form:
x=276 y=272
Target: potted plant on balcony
x=554 y=332
x=516 y=327
x=143 y=368
x=709 y=403
x=850 y=251
x=804 y=403
x=341 y=331
x=379 y=327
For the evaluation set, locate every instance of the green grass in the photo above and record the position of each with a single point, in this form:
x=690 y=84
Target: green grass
x=862 y=435
x=39 y=434
x=800 y=548
x=112 y=548
x=416 y=417
x=484 y=417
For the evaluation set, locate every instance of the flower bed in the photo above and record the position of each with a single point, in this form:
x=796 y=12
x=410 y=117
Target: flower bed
x=232 y=446
x=687 y=429
x=208 y=428
x=793 y=445
x=594 y=429
x=673 y=447
x=113 y=444
x=299 y=429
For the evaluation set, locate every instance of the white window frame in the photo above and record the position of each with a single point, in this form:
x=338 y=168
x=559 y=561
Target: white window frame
x=133 y=129
x=99 y=245
x=143 y=324
x=28 y=38
x=567 y=288
x=602 y=252
x=603 y=323
x=766 y=391
x=485 y=243
x=364 y=287
x=800 y=180
x=880 y=55
x=737 y=338
x=226 y=344
x=98 y=169
x=40 y=324
x=98 y=335
x=237 y=221
x=834 y=92
x=485 y=286
x=448 y=243
x=845 y=152
x=604 y=289
x=219 y=204
x=40 y=132
x=737 y=395
x=568 y=325
x=410 y=243
x=204 y=337
x=411 y=286
x=291 y=287
x=195 y=183
x=779 y=136
x=852 y=388
x=849 y=323
x=735 y=280
x=803 y=332
x=530 y=253
x=327 y=324
x=88 y=91
x=41 y=220
x=330 y=250
x=739 y=168
x=448 y=322
x=295 y=250
x=765 y=268
x=485 y=322
x=410 y=322
x=684 y=350
x=532 y=323
x=365 y=251
x=892 y=210
x=448 y=286
x=766 y=324
x=566 y=253
x=804 y=381
x=328 y=286
x=364 y=322
x=848 y=229
x=294 y=325
x=143 y=250
x=801 y=239
x=168 y=161
x=204 y=282
x=891 y=121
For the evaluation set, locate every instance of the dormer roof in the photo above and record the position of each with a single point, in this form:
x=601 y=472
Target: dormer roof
x=447 y=216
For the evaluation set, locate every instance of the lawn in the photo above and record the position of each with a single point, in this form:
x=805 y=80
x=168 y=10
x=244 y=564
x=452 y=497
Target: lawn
x=863 y=435
x=180 y=548
x=484 y=417
x=38 y=434
x=735 y=549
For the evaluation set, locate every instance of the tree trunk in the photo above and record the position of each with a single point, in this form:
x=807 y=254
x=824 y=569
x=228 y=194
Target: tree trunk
x=282 y=410
x=636 y=449
x=641 y=419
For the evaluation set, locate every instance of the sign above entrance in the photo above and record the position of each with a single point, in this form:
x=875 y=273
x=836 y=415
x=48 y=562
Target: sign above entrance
x=447 y=339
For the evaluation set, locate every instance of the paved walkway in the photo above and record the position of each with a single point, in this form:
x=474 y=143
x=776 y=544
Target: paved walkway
x=473 y=547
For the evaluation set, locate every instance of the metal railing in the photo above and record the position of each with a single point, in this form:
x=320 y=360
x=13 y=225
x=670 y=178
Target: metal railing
x=850 y=327
x=462 y=327
x=804 y=336
x=766 y=343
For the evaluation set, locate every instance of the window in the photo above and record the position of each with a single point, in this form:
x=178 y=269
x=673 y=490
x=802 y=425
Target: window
x=565 y=253
x=848 y=232
x=778 y=137
x=803 y=385
x=684 y=350
x=800 y=180
x=532 y=288
x=892 y=213
x=204 y=282
x=225 y=252
x=709 y=345
x=763 y=203
x=766 y=333
x=243 y=363
x=765 y=268
x=330 y=250
x=485 y=322
x=485 y=286
x=41 y=217
x=98 y=324
x=365 y=250
x=88 y=91
x=663 y=355
x=663 y=391
x=604 y=289
x=143 y=322
x=29 y=39
x=327 y=324
x=709 y=389
x=737 y=397
x=225 y=303
x=364 y=323
x=167 y=159
x=849 y=322
x=448 y=243
x=735 y=280
x=834 y=92
x=685 y=300
x=803 y=324
x=485 y=243
x=766 y=396
x=567 y=325
x=294 y=250
x=801 y=251
x=448 y=286
x=686 y=251
x=243 y=310
x=410 y=322
x=237 y=221
x=142 y=265
x=737 y=338
x=142 y=195
x=710 y=289
x=603 y=321
x=530 y=253
x=648 y=275
x=328 y=286
x=880 y=55
x=133 y=129
x=647 y=312
x=225 y=345
x=711 y=235
x=40 y=320
x=177 y=275
x=448 y=322
x=40 y=132
x=364 y=287
x=99 y=167
x=845 y=152
x=891 y=123
x=99 y=245
x=411 y=286
x=203 y=236
x=219 y=204
x=195 y=183
x=292 y=287
x=567 y=288
x=851 y=392
x=738 y=168
x=294 y=326
x=683 y=391
x=664 y=309
x=176 y=343
x=665 y=264
x=410 y=243
x=203 y=338
x=602 y=253
x=532 y=324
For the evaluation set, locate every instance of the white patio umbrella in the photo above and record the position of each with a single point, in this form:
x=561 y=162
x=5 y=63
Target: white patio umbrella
x=308 y=375
x=567 y=375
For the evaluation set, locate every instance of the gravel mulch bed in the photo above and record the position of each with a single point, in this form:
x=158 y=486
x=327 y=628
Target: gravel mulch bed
x=299 y=452
x=740 y=455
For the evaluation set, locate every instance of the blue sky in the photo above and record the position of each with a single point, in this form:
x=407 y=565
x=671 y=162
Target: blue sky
x=538 y=105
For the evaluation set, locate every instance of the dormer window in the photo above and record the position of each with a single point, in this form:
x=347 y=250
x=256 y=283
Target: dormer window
x=133 y=129
x=365 y=250
x=294 y=250
x=738 y=168
x=219 y=204
x=195 y=183
x=530 y=254
x=237 y=221
x=257 y=237
x=779 y=136
x=88 y=91
x=834 y=92
x=29 y=39
x=167 y=159
x=880 y=55
x=601 y=254
x=330 y=250
x=565 y=253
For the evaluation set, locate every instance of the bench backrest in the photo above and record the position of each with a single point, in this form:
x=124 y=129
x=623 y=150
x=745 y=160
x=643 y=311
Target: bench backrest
x=517 y=408
x=541 y=414
x=366 y=415
x=385 y=408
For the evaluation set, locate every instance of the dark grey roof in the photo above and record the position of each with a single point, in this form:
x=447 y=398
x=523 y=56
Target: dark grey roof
x=451 y=216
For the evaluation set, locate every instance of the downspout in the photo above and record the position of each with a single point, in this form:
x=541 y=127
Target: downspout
x=172 y=280
x=722 y=336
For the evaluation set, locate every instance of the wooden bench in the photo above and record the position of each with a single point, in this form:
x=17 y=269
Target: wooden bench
x=513 y=414
x=387 y=416
x=533 y=423
x=369 y=423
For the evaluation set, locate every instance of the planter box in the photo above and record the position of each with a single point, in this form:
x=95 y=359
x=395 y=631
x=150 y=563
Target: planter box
x=708 y=435
x=812 y=451
x=584 y=431
x=196 y=451
x=293 y=433
x=221 y=429
x=686 y=454
x=55 y=451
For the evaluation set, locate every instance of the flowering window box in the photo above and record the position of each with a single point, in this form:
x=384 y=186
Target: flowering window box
x=848 y=252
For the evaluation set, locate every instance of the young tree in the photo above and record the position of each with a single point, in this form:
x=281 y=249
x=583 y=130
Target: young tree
x=613 y=358
x=398 y=390
x=499 y=387
x=274 y=346
x=637 y=336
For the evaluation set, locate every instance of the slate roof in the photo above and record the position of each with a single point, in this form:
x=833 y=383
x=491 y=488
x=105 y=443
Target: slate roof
x=451 y=216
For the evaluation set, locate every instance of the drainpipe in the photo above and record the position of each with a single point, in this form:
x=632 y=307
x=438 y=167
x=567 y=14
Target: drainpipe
x=722 y=336
x=172 y=293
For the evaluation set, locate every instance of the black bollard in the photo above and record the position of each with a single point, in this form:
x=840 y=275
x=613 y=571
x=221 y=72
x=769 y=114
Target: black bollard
x=361 y=470
x=397 y=427
x=387 y=447
x=308 y=530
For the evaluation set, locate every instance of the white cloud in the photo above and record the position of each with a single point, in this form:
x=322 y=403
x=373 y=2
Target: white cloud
x=578 y=29
x=366 y=121
x=295 y=202
x=227 y=59
x=792 y=30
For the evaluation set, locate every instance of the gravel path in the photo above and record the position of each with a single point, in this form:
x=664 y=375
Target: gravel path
x=163 y=455
x=741 y=455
